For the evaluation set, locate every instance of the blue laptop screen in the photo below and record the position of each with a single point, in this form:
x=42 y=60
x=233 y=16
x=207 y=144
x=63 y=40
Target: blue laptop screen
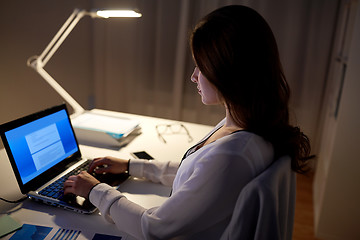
x=41 y=144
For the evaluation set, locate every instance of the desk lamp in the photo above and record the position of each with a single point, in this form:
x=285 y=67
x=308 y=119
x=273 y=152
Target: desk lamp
x=38 y=63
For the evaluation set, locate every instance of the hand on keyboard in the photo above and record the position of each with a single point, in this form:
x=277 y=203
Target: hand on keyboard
x=108 y=165
x=80 y=184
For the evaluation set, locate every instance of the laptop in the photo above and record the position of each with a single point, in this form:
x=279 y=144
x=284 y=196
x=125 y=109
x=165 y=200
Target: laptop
x=43 y=152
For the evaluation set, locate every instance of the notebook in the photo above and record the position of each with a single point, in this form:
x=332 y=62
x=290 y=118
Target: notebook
x=43 y=152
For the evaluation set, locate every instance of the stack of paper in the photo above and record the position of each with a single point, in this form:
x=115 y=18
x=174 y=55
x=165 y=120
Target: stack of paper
x=92 y=127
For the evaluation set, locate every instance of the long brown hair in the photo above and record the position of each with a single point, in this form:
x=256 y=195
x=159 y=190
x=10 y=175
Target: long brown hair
x=236 y=51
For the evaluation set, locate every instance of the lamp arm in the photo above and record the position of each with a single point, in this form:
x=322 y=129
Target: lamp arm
x=62 y=34
x=78 y=109
x=38 y=62
x=54 y=43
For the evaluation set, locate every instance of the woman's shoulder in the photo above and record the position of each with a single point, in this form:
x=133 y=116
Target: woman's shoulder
x=242 y=144
x=242 y=140
x=240 y=150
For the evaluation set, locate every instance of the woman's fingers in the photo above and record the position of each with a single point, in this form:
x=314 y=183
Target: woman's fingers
x=80 y=184
x=108 y=165
x=98 y=163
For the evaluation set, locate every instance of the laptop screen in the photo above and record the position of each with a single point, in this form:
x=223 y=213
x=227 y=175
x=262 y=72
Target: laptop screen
x=41 y=143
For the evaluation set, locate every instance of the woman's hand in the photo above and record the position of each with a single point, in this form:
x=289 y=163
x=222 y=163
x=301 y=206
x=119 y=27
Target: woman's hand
x=80 y=184
x=108 y=165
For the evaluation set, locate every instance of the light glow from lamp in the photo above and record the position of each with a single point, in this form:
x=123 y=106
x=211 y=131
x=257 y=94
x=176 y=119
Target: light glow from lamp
x=118 y=13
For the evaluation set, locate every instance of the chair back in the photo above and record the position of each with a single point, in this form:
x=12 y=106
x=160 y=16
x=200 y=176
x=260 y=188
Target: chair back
x=265 y=207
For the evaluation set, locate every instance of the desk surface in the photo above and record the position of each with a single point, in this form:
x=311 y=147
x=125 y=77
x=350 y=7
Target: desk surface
x=142 y=192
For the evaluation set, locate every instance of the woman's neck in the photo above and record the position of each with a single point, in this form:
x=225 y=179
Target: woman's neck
x=230 y=124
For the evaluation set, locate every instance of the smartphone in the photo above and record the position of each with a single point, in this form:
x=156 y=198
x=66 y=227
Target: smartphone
x=142 y=155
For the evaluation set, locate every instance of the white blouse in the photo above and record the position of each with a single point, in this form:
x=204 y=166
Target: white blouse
x=205 y=189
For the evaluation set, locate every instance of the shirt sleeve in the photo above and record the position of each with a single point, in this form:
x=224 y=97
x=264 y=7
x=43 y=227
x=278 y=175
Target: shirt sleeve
x=155 y=171
x=116 y=208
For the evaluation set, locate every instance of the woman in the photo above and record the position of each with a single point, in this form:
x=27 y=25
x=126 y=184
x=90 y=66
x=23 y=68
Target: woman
x=238 y=67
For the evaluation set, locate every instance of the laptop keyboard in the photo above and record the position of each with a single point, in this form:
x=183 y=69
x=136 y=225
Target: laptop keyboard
x=56 y=189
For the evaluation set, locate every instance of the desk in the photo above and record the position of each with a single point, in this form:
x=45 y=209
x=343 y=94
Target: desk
x=140 y=191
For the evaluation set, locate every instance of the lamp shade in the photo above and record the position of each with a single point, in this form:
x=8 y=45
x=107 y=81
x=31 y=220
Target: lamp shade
x=118 y=13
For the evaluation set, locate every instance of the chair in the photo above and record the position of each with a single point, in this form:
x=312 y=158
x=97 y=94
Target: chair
x=265 y=207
